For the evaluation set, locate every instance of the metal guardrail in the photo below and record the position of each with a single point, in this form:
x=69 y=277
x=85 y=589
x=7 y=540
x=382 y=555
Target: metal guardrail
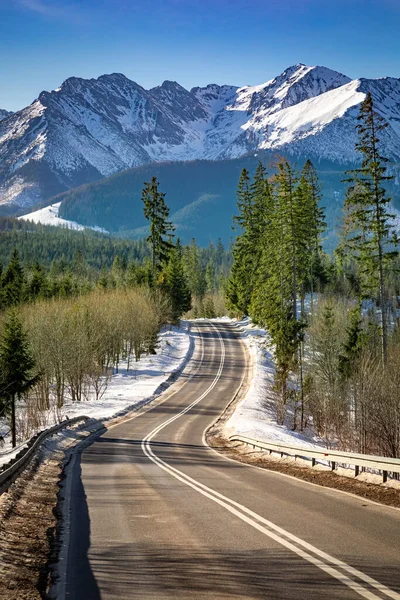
x=9 y=475
x=379 y=463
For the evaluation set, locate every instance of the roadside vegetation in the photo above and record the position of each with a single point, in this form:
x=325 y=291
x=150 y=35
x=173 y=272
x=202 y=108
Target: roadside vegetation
x=78 y=304
x=332 y=320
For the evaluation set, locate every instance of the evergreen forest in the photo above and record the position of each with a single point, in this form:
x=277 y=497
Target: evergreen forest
x=332 y=320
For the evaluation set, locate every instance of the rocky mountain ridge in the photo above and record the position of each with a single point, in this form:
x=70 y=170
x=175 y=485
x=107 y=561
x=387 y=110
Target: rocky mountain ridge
x=89 y=129
x=4 y=113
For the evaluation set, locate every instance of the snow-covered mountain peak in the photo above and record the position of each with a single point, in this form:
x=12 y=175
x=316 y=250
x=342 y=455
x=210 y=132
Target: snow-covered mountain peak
x=170 y=90
x=72 y=84
x=294 y=85
x=184 y=105
x=114 y=78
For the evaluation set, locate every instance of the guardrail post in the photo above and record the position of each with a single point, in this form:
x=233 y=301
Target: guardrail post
x=313 y=462
x=384 y=476
x=333 y=465
x=356 y=470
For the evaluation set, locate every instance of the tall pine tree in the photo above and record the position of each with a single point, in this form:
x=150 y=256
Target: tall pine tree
x=310 y=196
x=254 y=205
x=176 y=284
x=161 y=230
x=370 y=236
x=13 y=281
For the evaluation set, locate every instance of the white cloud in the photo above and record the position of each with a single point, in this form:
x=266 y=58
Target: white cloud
x=54 y=9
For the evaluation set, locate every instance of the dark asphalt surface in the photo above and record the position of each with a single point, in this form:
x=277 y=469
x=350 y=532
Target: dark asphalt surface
x=170 y=518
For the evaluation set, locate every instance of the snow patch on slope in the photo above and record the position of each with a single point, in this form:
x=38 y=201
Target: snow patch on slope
x=49 y=216
x=308 y=117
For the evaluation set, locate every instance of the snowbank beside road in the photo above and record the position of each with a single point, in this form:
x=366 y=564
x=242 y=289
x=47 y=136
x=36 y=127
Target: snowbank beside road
x=255 y=415
x=127 y=389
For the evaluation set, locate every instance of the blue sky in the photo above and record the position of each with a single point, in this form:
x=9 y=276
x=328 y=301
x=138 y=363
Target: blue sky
x=194 y=42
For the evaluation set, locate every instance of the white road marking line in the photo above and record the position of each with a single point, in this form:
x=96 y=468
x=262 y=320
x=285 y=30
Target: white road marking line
x=278 y=534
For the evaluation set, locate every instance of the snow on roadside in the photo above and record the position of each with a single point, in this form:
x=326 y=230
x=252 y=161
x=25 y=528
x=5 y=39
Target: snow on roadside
x=128 y=388
x=255 y=415
x=7 y=455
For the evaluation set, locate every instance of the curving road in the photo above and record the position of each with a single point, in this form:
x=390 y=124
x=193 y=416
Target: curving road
x=154 y=513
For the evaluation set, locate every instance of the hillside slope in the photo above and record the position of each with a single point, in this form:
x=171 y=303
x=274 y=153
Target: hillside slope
x=201 y=196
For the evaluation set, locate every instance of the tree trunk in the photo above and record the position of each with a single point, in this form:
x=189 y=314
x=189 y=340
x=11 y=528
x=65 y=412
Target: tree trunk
x=378 y=218
x=13 y=426
x=301 y=386
x=383 y=308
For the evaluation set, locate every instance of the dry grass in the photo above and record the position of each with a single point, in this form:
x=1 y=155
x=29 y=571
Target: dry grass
x=27 y=530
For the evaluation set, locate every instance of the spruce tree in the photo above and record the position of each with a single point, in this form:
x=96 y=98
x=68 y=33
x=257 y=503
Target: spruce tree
x=310 y=197
x=161 y=230
x=103 y=282
x=243 y=199
x=354 y=343
x=292 y=220
x=238 y=293
x=219 y=252
x=37 y=286
x=13 y=281
x=291 y=235
x=176 y=284
x=131 y=274
x=210 y=277
x=194 y=270
x=370 y=236
x=253 y=201
x=16 y=366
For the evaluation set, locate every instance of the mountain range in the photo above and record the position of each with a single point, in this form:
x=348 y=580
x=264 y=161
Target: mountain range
x=88 y=129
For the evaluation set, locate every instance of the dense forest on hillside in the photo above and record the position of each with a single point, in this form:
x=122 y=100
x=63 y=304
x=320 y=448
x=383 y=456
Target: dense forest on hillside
x=200 y=194
x=46 y=244
x=51 y=261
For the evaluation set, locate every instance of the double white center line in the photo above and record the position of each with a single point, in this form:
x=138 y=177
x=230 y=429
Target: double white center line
x=359 y=582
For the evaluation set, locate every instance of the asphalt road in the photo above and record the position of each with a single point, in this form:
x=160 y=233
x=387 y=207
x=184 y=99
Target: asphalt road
x=157 y=514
